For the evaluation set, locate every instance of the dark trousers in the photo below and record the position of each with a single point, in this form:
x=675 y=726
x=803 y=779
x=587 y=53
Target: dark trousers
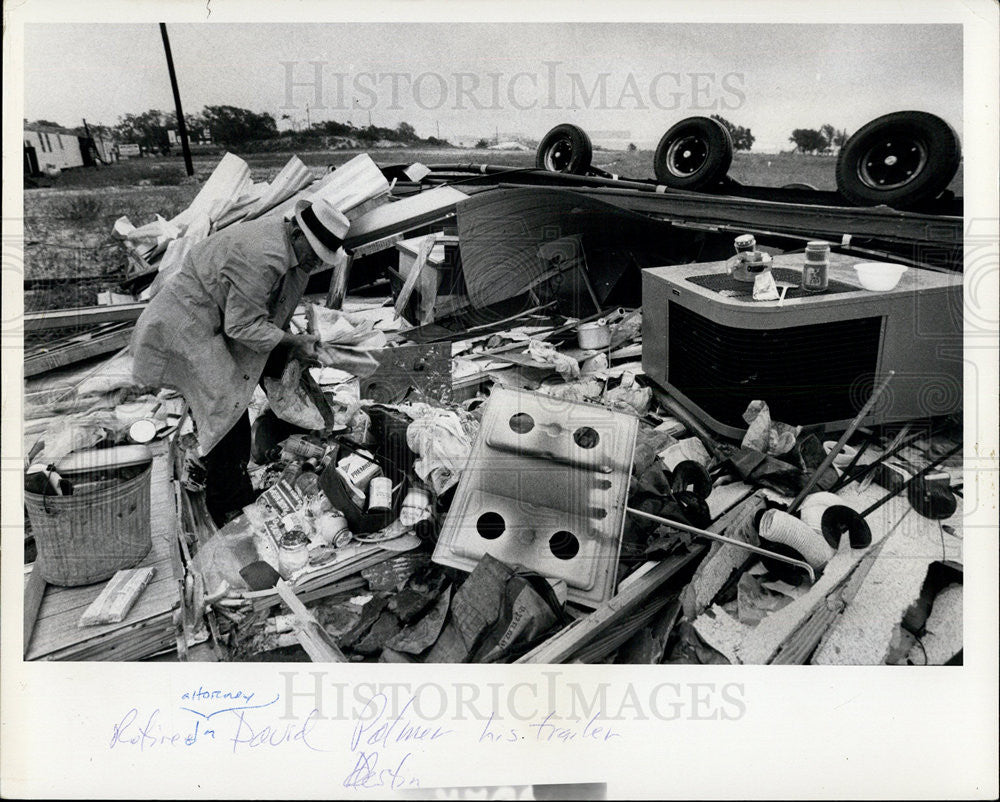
x=227 y=484
x=228 y=488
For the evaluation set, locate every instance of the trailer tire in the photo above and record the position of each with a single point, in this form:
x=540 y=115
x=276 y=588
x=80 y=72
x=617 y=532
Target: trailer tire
x=565 y=149
x=901 y=159
x=693 y=154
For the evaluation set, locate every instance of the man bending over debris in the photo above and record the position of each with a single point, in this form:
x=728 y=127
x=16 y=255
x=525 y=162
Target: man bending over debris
x=210 y=330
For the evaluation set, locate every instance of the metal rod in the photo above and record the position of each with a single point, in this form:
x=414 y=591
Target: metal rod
x=723 y=539
x=918 y=475
x=835 y=451
x=862 y=471
x=854 y=461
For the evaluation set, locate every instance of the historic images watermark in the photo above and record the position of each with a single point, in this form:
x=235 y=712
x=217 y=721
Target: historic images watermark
x=549 y=87
x=552 y=698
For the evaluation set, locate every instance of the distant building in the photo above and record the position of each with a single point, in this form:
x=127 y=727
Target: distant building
x=48 y=148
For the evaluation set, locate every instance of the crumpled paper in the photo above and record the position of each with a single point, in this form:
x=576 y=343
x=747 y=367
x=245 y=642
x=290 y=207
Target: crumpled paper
x=764 y=288
x=346 y=342
x=765 y=435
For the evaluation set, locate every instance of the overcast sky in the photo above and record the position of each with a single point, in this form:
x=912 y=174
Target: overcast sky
x=621 y=82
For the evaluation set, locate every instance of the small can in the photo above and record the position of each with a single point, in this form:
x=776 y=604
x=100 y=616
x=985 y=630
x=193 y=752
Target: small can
x=380 y=494
x=343 y=534
x=416 y=506
x=307 y=484
x=303 y=446
x=293 y=553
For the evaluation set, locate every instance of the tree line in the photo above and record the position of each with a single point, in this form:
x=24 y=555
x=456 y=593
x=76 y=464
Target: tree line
x=234 y=127
x=821 y=140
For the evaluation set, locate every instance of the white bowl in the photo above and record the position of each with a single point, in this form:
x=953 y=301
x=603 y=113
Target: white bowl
x=879 y=276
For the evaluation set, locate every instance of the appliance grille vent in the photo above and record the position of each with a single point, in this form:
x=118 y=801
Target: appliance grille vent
x=806 y=374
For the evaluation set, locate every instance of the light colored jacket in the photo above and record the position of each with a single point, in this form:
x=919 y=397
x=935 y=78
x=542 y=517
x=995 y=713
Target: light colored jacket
x=209 y=330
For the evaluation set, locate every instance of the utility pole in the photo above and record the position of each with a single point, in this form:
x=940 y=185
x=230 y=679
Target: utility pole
x=181 y=125
x=308 y=118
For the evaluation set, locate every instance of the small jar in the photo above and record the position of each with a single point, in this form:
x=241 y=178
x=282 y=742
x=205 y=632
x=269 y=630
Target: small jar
x=745 y=245
x=816 y=268
x=293 y=553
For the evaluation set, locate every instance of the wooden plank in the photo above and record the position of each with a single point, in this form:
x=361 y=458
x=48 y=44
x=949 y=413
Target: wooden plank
x=33 y=592
x=564 y=644
x=318 y=645
x=84 y=316
x=78 y=352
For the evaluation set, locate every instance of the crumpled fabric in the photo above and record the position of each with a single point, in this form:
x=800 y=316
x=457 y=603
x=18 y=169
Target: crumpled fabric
x=442 y=442
x=651 y=492
x=75 y=433
x=765 y=435
x=566 y=366
x=112 y=375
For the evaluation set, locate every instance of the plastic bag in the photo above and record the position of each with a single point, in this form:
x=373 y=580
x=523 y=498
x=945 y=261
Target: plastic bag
x=289 y=400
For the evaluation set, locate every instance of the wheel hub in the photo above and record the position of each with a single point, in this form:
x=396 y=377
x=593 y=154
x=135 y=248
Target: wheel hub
x=892 y=163
x=559 y=156
x=686 y=156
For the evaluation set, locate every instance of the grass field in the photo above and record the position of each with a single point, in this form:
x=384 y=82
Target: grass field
x=68 y=224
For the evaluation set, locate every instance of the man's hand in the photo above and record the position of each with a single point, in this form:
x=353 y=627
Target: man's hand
x=302 y=346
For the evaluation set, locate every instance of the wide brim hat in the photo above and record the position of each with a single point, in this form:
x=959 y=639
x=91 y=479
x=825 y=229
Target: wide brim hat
x=324 y=225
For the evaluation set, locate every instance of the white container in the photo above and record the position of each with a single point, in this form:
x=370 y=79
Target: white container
x=843 y=459
x=594 y=336
x=879 y=276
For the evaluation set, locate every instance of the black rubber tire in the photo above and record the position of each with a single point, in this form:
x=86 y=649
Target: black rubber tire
x=901 y=159
x=565 y=149
x=694 y=154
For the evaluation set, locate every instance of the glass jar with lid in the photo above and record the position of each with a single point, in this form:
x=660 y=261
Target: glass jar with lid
x=815 y=270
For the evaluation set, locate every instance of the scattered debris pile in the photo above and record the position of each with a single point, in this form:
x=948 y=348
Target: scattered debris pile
x=478 y=468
